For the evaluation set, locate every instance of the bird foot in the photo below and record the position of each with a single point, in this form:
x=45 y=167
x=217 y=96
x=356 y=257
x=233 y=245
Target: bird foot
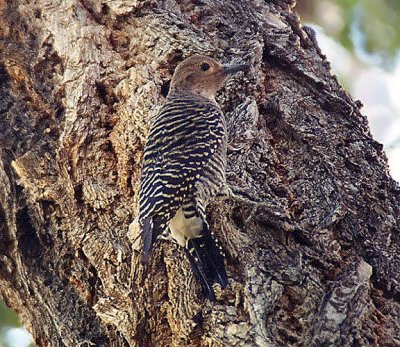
x=227 y=192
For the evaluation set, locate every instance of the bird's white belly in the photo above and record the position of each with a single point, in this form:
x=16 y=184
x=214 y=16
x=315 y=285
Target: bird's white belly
x=183 y=229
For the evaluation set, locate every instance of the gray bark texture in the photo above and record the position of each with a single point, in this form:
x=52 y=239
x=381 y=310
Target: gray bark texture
x=316 y=263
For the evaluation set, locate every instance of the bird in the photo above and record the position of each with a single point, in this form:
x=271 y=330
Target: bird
x=184 y=165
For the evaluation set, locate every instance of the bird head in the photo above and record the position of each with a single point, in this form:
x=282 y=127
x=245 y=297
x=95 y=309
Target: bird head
x=202 y=75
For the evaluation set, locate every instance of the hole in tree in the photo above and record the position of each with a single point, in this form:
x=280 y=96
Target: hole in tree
x=165 y=88
x=78 y=190
x=105 y=9
x=28 y=240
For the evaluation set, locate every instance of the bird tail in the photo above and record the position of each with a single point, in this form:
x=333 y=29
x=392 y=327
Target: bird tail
x=151 y=230
x=207 y=263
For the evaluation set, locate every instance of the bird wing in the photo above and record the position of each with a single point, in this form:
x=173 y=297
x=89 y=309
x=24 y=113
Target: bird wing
x=181 y=142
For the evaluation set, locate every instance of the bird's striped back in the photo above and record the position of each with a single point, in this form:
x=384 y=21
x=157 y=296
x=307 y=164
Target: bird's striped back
x=185 y=149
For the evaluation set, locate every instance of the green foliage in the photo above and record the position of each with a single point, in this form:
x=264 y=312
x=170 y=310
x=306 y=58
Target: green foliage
x=344 y=35
x=368 y=27
x=377 y=23
x=7 y=317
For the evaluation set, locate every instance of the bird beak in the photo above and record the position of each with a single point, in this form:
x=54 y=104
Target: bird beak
x=231 y=69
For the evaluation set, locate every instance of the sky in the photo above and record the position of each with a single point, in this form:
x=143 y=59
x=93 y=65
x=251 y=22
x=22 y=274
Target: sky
x=378 y=90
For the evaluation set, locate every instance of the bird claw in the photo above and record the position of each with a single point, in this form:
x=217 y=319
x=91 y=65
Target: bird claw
x=234 y=149
x=254 y=210
x=227 y=192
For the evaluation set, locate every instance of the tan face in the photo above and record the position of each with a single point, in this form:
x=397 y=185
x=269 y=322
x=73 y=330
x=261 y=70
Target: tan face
x=201 y=75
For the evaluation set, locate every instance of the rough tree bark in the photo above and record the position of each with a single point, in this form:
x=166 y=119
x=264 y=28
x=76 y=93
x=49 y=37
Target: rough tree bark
x=316 y=265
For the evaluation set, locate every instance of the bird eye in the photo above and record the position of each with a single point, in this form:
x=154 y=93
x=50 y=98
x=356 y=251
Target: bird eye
x=204 y=66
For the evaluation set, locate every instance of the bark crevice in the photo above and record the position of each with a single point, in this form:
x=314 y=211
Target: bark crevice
x=79 y=84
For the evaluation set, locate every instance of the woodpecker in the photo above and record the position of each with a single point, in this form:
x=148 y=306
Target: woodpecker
x=184 y=167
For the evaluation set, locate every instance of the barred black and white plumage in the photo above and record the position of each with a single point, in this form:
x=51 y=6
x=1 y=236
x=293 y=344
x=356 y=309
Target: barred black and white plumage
x=184 y=167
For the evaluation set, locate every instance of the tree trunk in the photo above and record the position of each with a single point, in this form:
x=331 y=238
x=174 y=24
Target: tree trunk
x=315 y=264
